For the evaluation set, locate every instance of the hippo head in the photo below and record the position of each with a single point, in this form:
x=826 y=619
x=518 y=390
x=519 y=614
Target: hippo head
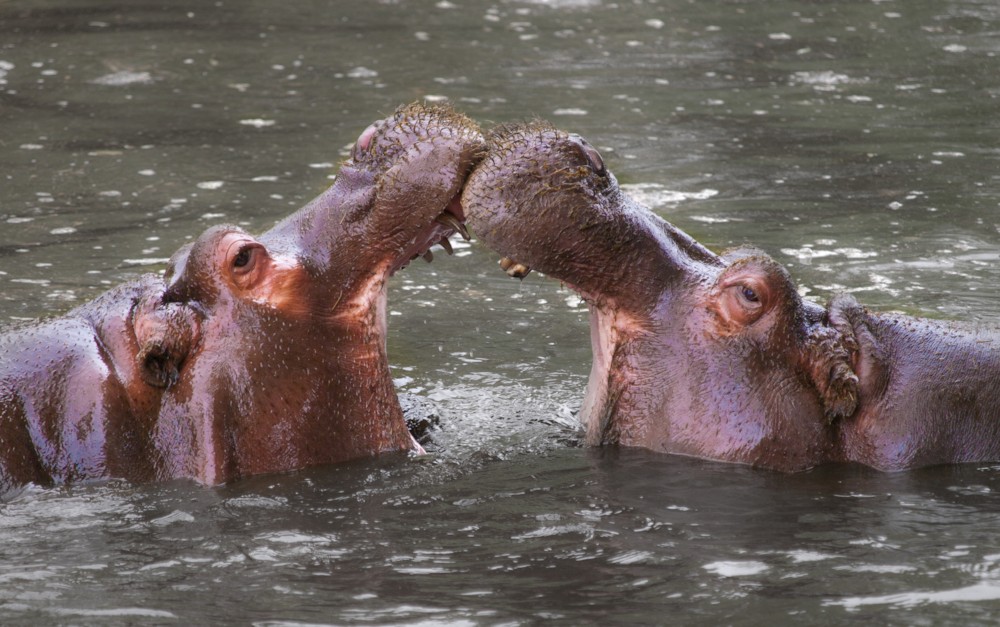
x=395 y=197
x=291 y=367
x=694 y=353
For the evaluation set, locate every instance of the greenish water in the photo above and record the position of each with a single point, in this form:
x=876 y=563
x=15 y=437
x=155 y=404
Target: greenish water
x=858 y=143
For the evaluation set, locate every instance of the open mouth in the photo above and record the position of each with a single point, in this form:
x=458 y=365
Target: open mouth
x=450 y=221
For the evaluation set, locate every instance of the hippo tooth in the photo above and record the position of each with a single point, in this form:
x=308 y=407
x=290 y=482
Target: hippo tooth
x=446 y=245
x=519 y=271
x=452 y=222
x=428 y=256
x=513 y=268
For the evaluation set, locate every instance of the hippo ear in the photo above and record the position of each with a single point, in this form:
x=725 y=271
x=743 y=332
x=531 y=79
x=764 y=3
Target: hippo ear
x=827 y=359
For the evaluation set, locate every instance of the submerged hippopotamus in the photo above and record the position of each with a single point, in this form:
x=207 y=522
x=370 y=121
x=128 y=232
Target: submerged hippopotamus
x=80 y=394
x=717 y=356
x=252 y=354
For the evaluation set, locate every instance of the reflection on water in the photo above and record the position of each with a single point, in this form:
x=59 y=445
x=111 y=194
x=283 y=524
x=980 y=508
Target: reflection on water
x=855 y=142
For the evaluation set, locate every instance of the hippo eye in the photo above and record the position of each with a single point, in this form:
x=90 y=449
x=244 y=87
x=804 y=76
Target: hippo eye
x=749 y=294
x=242 y=258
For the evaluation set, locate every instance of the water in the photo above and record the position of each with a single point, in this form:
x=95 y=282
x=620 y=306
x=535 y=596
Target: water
x=855 y=142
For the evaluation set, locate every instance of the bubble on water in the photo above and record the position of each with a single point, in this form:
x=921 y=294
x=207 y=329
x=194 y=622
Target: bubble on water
x=779 y=36
x=321 y=166
x=574 y=301
x=61 y=295
x=257 y=122
x=146 y=261
x=984 y=591
x=807 y=253
x=948 y=153
x=955 y=48
x=160 y=565
x=802 y=556
x=877 y=568
x=654 y=23
x=125 y=77
x=210 y=184
x=41 y=282
x=570 y=111
x=31 y=146
x=435 y=98
x=5 y=66
x=111 y=193
x=63 y=230
x=631 y=557
x=823 y=79
x=212 y=216
x=736 y=568
x=584 y=529
x=264 y=179
x=257 y=502
x=18 y=220
x=565 y=4
x=655 y=194
x=361 y=72
x=147 y=172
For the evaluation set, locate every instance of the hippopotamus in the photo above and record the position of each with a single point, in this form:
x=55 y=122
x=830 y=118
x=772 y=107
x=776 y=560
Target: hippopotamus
x=717 y=355
x=79 y=394
x=250 y=354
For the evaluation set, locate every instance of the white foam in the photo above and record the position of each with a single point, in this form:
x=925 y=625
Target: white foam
x=984 y=591
x=257 y=122
x=736 y=568
x=125 y=77
x=655 y=194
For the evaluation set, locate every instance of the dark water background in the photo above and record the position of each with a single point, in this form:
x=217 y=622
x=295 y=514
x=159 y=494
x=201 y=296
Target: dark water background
x=856 y=142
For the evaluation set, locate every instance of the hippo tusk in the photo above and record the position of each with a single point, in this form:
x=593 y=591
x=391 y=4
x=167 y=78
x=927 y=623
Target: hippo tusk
x=450 y=221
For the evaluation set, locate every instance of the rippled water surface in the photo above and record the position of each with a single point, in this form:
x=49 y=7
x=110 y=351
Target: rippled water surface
x=857 y=143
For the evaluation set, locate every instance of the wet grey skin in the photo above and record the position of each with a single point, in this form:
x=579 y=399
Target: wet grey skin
x=252 y=354
x=717 y=356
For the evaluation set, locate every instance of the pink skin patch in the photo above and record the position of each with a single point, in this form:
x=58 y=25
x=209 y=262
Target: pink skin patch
x=365 y=139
